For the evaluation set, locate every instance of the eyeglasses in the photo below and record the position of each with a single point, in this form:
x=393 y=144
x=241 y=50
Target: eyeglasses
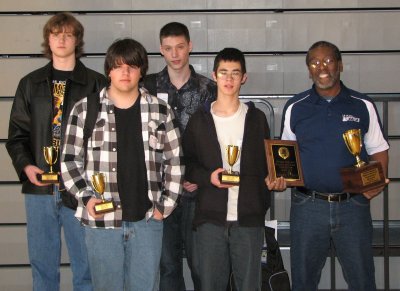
x=224 y=75
x=325 y=62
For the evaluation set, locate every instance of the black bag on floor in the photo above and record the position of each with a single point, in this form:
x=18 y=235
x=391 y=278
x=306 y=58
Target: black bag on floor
x=274 y=275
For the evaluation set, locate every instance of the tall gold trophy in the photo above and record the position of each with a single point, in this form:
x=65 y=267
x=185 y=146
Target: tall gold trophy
x=51 y=156
x=362 y=176
x=99 y=183
x=230 y=177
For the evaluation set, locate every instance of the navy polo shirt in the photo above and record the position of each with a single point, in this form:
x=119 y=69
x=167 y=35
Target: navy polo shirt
x=318 y=126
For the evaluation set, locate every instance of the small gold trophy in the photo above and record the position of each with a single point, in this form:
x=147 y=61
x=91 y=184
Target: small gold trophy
x=231 y=177
x=99 y=183
x=362 y=176
x=51 y=156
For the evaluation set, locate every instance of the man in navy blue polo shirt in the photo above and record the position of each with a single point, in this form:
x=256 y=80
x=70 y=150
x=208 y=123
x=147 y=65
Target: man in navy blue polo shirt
x=317 y=118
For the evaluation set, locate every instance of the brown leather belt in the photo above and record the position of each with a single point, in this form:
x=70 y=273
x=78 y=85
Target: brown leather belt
x=330 y=197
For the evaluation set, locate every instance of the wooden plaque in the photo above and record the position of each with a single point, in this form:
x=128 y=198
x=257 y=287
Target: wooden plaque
x=283 y=160
x=363 y=179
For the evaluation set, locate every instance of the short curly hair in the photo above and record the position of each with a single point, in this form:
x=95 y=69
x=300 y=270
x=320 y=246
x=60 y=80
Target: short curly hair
x=324 y=43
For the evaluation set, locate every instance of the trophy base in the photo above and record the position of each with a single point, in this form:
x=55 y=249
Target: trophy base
x=229 y=178
x=104 y=207
x=363 y=179
x=49 y=178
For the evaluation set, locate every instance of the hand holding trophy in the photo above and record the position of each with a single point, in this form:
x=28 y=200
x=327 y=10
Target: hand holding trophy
x=362 y=176
x=51 y=156
x=231 y=177
x=105 y=206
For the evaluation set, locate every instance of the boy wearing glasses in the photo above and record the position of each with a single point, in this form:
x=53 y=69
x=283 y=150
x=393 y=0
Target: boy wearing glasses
x=322 y=214
x=42 y=105
x=229 y=220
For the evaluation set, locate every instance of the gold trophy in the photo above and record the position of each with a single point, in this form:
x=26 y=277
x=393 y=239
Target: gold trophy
x=231 y=177
x=99 y=183
x=51 y=156
x=362 y=176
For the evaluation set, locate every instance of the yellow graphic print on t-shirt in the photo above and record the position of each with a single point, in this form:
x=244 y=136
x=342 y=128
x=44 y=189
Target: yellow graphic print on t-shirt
x=58 y=95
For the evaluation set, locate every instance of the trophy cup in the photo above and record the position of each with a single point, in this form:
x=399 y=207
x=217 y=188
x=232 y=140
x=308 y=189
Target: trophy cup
x=105 y=206
x=362 y=176
x=231 y=177
x=50 y=155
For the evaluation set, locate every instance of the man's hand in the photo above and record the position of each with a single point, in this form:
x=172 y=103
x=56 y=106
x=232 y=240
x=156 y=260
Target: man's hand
x=214 y=179
x=279 y=184
x=375 y=192
x=189 y=187
x=31 y=172
x=90 y=207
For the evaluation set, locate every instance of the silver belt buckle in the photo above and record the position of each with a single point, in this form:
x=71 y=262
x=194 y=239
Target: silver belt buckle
x=331 y=196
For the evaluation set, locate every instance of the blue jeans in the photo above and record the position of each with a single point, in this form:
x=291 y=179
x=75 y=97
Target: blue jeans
x=46 y=216
x=223 y=247
x=178 y=233
x=314 y=224
x=126 y=258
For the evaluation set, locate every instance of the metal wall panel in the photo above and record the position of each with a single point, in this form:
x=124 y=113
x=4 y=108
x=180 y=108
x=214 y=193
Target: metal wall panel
x=211 y=32
x=5 y=108
x=12 y=206
x=13 y=69
x=60 y=5
x=7 y=172
x=20 y=279
x=13 y=239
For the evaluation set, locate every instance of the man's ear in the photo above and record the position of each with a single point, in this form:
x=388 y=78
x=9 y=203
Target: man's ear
x=340 y=66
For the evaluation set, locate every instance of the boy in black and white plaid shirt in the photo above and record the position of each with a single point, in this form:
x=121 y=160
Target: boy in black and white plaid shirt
x=136 y=145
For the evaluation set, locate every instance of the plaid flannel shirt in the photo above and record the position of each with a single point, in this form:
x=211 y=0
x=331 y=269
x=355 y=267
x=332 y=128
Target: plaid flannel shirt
x=162 y=151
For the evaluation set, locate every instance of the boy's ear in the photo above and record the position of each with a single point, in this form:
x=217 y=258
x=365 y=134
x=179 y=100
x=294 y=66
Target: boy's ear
x=190 y=46
x=244 y=79
x=214 y=76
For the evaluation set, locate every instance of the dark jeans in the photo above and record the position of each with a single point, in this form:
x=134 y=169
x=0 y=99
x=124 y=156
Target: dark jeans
x=314 y=223
x=178 y=233
x=221 y=248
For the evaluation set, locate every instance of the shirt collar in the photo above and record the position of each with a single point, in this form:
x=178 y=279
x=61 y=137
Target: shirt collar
x=343 y=95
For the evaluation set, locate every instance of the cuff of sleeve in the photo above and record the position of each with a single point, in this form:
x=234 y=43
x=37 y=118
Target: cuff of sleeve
x=87 y=194
x=86 y=199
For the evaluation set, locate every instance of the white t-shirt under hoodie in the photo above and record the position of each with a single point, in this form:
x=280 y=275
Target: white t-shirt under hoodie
x=230 y=132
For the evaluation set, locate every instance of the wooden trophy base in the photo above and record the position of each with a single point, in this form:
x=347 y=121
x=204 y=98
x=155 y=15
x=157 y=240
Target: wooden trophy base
x=364 y=178
x=104 y=207
x=229 y=178
x=49 y=178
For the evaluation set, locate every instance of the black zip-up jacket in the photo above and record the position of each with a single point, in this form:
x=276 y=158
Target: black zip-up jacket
x=31 y=118
x=203 y=156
